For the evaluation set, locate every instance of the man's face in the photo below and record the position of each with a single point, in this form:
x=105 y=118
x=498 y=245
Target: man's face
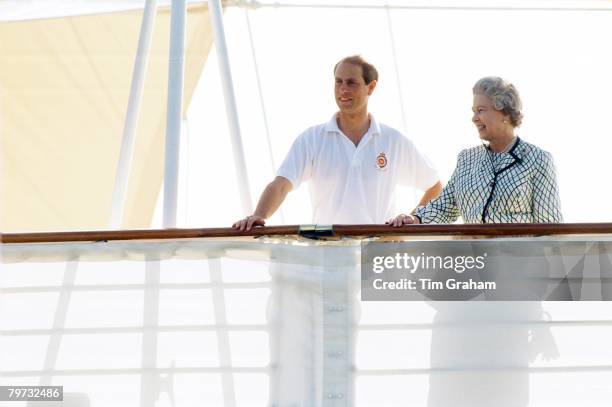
x=350 y=89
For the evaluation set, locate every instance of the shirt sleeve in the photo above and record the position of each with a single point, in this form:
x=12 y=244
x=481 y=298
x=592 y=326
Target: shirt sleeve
x=443 y=209
x=297 y=166
x=546 y=201
x=417 y=170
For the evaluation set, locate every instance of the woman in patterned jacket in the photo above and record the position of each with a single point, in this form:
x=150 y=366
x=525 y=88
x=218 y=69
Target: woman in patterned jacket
x=506 y=181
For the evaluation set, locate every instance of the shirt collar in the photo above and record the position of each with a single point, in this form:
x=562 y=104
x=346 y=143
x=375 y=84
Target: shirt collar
x=504 y=160
x=510 y=149
x=332 y=125
x=511 y=146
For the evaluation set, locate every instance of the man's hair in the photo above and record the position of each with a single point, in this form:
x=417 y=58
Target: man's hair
x=369 y=71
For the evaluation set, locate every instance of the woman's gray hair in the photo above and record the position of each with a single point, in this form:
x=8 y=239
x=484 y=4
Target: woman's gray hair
x=503 y=95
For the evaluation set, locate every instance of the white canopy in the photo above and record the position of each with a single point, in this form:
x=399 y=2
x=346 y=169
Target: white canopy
x=64 y=88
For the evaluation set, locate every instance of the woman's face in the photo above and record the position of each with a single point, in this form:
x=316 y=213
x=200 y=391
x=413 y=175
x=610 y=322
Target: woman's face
x=489 y=122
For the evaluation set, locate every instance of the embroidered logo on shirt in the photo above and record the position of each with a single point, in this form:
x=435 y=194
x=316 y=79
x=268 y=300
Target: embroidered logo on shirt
x=381 y=161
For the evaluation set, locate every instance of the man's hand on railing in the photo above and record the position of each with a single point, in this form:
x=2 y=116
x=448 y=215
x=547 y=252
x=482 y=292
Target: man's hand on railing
x=247 y=223
x=402 y=219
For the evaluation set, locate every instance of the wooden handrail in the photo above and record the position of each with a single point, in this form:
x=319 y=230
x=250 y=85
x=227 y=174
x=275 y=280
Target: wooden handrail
x=499 y=229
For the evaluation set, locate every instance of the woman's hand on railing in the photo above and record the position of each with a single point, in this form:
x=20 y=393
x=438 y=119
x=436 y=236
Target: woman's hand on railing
x=247 y=223
x=402 y=219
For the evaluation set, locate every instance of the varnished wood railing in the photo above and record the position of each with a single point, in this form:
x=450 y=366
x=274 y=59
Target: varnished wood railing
x=514 y=229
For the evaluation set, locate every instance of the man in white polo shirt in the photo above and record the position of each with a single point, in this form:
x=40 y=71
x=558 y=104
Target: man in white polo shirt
x=353 y=162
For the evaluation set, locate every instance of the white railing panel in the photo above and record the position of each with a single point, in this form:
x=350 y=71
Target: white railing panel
x=278 y=322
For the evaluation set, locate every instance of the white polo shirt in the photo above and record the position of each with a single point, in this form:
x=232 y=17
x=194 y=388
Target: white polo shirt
x=355 y=184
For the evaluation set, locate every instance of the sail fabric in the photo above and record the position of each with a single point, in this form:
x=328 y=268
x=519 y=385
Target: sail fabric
x=64 y=88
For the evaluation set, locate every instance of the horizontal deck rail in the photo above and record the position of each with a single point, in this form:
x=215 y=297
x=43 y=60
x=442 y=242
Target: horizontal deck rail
x=333 y=231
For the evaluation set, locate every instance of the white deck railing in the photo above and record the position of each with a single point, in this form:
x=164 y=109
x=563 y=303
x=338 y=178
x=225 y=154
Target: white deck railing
x=278 y=321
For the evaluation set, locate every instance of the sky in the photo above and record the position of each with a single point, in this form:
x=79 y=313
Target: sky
x=428 y=60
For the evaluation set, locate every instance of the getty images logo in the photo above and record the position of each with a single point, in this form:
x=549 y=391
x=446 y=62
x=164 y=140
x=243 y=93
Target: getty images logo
x=411 y=263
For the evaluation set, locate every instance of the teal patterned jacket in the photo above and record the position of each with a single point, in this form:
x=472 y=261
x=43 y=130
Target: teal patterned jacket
x=519 y=186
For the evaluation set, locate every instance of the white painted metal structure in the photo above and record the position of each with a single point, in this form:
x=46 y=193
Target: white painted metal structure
x=227 y=322
x=131 y=117
x=231 y=110
x=174 y=111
